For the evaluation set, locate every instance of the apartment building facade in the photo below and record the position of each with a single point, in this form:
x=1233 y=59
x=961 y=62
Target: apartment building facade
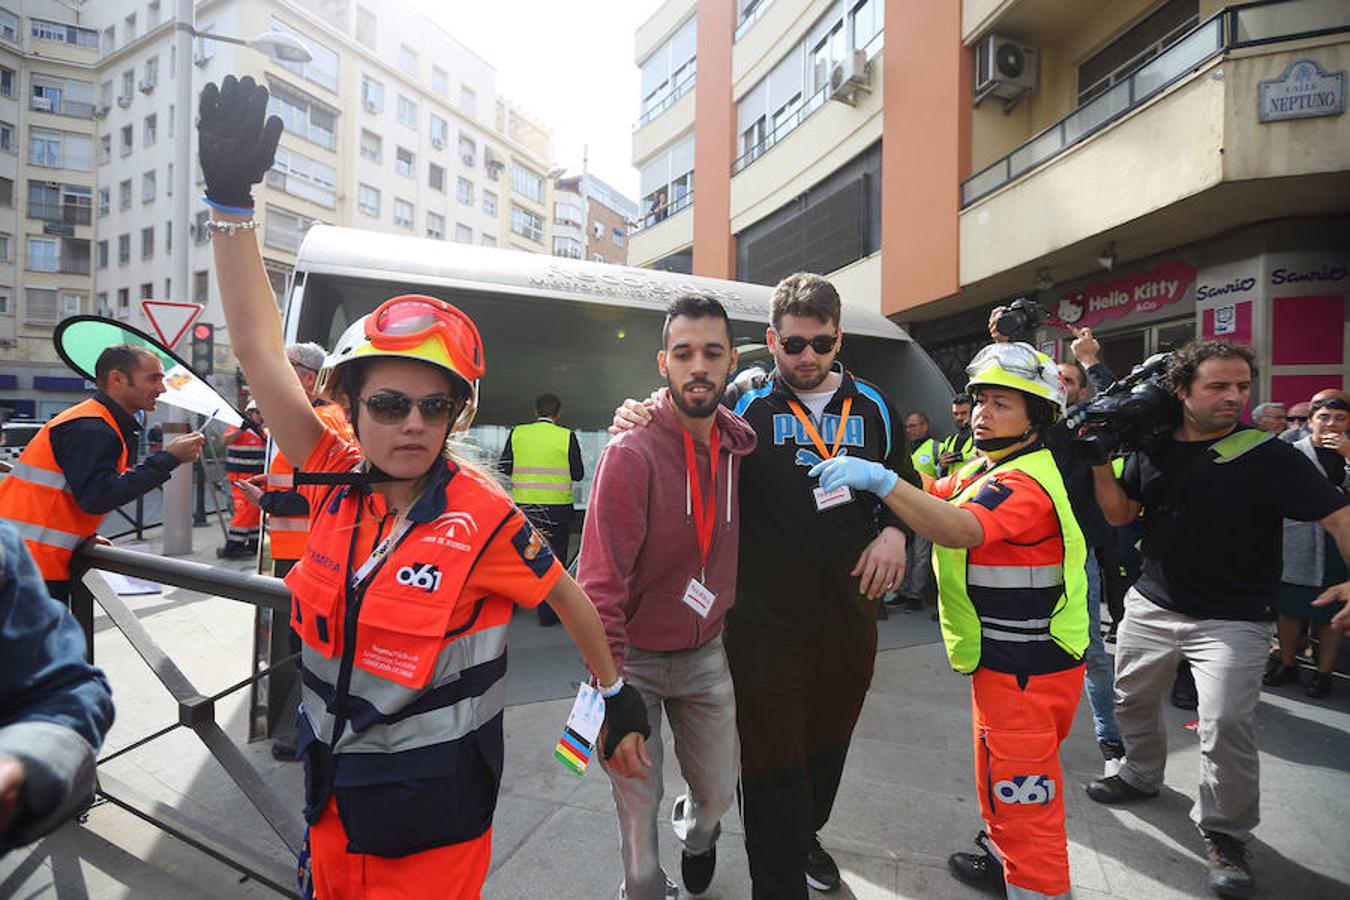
x=392 y=125
x=1156 y=169
x=591 y=220
x=47 y=185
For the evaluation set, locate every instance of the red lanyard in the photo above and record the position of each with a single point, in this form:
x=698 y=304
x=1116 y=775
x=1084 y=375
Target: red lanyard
x=815 y=435
x=703 y=524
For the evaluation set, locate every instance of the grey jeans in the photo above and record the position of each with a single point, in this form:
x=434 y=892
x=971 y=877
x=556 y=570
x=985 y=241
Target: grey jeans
x=694 y=689
x=1228 y=658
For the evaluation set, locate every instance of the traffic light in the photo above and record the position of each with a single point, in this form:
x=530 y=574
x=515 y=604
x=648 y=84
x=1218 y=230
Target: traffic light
x=203 y=348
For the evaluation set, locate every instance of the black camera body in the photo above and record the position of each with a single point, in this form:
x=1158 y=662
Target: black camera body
x=1134 y=413
x=1021 y=319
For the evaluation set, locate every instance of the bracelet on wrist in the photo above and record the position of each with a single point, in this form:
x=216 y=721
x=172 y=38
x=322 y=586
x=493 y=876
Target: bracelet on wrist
x=229 y=228
x=609 y=690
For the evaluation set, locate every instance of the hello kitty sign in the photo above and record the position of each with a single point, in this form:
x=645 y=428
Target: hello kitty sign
x=1092 y=304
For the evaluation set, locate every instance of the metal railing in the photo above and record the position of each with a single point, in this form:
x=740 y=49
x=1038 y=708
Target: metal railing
x=656 y=217
x=69 y=213
x=685 y=85
x=195 y=709
x=782 y=129
x=1252 y=24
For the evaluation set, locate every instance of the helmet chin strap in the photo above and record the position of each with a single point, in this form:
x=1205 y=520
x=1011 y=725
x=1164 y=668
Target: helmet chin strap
x=995 y=444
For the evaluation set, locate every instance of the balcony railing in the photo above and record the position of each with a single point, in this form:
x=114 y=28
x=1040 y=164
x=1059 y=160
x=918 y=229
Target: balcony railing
x=1251 y=24
x=684 y=86
x=782 y=129
x=657 y=216
x=69 y=213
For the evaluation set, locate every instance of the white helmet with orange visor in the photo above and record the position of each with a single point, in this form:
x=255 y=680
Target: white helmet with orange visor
x=416 y=327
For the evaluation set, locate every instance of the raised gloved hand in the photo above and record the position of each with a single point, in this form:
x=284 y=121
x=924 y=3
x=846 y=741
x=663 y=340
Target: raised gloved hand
x=859 y=474
x=234 y=145
x=625 y=713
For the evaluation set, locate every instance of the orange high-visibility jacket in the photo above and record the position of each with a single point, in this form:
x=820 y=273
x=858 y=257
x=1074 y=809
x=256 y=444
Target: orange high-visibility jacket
x=37 y=500
x=289 y=534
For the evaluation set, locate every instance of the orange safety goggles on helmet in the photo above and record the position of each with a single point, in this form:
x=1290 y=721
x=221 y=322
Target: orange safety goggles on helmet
x=406 y=322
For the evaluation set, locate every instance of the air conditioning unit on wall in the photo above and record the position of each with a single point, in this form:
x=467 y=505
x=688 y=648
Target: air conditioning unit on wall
x=1004 y=69
x=849 y=76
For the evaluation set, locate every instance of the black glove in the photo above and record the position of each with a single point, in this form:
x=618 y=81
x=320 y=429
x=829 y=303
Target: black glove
x=234 y=146
x=625 y=713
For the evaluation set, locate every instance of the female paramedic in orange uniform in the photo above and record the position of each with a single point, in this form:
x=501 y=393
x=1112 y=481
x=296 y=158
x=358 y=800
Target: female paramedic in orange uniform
x=1012 y=599
x=404 y=593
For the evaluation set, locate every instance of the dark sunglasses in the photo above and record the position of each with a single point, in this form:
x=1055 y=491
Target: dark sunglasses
x=391 y=408
x=821 y=344
x=1296 y=418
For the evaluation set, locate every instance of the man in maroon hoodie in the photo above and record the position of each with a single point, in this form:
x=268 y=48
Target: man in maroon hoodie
x=658 y=558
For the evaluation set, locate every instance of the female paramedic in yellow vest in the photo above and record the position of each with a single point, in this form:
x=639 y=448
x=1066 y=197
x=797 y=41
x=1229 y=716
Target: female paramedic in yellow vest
x=413 y=565
x=1012 y=599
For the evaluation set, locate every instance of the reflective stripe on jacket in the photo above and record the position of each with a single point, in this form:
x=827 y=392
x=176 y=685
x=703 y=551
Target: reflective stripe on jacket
x=541 y=473
x=38 y=502
x=247 y=455
x=1015 y=618
x=401 y=719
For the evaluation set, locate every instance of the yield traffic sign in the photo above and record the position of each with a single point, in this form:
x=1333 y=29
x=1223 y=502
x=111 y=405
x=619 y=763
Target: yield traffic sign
x=170 y=320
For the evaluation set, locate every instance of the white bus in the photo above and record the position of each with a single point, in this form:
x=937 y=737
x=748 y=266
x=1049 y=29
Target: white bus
x=588 y=332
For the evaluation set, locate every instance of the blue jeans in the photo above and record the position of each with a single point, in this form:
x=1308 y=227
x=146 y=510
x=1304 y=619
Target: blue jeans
x=1100 y=674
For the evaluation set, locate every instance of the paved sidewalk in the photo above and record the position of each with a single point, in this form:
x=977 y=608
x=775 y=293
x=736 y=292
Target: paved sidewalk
x=906 y=802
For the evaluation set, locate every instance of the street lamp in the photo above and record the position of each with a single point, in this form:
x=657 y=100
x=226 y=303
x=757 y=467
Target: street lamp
x=276 y=45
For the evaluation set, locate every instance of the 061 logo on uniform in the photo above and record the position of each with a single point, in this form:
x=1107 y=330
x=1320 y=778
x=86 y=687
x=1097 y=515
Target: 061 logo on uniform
x=420 y=575
x=1025 y=789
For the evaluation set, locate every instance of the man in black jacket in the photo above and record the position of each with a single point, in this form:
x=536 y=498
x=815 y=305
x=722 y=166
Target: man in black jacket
x=87 y=449
x=802 y=636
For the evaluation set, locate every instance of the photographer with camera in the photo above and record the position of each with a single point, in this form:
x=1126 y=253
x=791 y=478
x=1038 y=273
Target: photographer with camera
x=1099 y=673
x=1213 y=493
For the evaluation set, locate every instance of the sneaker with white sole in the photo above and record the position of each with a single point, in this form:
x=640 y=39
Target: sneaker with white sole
x=822 y=874
x=672 y=891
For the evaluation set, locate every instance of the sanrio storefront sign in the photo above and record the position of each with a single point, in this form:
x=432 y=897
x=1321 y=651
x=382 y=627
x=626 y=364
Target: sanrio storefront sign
x=1139 y=292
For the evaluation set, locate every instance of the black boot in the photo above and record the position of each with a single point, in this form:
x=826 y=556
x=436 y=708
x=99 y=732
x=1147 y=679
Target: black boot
x=979 y=870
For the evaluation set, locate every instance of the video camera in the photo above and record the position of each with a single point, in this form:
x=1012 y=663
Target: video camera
x=1134 y=413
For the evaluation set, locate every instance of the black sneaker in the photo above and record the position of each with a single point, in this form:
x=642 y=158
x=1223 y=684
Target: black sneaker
x=1319 y=685
x=979 y=870
x=696 y=870
x=1115 y=789
x=821 y=872
x=1277 y=673
x=1230 y=874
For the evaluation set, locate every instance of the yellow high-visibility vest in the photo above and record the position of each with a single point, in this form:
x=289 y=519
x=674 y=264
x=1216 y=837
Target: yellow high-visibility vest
x=541 y=471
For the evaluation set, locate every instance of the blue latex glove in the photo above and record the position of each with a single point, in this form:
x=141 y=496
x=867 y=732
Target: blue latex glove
x=859 y=474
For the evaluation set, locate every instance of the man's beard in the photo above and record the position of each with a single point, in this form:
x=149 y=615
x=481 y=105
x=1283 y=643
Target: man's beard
x=697 y=410
x=798 y=383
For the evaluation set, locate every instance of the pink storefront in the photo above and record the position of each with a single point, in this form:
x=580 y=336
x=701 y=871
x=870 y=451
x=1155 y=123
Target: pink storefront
x=1281 y=286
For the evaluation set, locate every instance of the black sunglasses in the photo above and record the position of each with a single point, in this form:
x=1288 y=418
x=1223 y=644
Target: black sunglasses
x=1296 y=418
x=389 y=408
x=821 y=344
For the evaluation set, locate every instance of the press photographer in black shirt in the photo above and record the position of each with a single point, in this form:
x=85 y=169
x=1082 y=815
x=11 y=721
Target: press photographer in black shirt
x=1213 y=497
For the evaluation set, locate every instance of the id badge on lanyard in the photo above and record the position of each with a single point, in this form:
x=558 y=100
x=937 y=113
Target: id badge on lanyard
x=696 y=594
x=843 y=494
